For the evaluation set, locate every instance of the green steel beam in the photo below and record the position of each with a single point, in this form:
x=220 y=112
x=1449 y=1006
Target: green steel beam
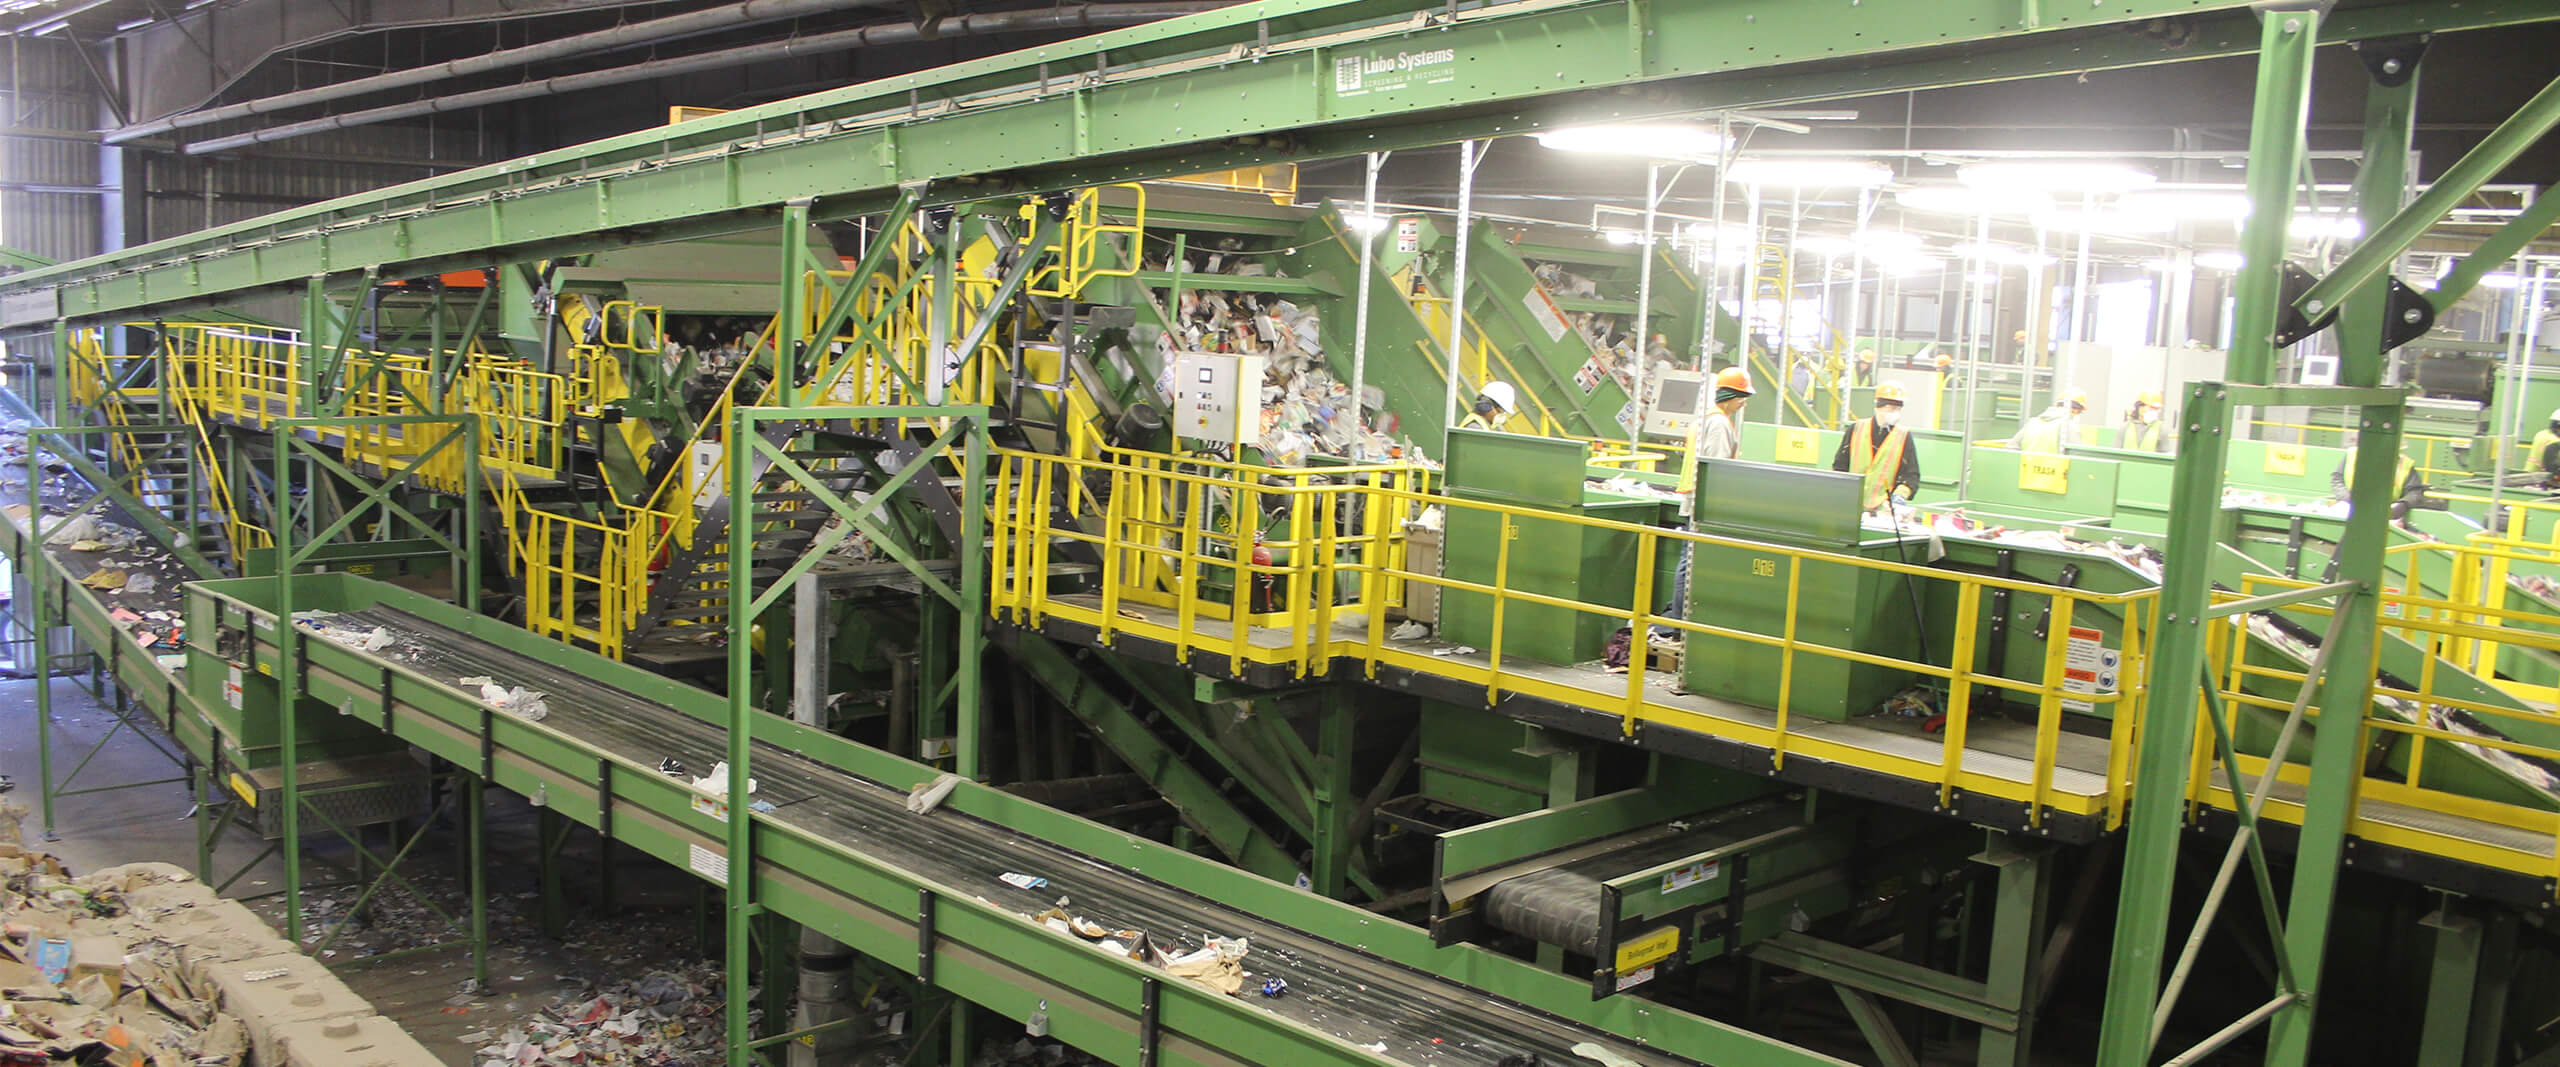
x=2373 y=256
x=2156 y=819
x=1885 y=976
x=2446 y=1032
x=1028 y=125
x=2024 y=884
x=2346 y=693
x=1192 y=795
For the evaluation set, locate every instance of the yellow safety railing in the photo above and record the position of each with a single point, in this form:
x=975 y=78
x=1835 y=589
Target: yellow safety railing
x=1076 y=260
x=1302 y=568
x=2433 y=456
x=2425 y=717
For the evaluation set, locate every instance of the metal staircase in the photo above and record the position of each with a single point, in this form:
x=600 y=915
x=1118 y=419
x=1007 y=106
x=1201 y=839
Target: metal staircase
x=693 y=587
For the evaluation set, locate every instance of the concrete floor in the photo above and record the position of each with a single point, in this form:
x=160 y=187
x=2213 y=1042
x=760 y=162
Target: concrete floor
x=424 y=992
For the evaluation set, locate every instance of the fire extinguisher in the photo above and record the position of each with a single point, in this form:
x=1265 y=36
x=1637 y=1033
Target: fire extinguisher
x=1262 y=583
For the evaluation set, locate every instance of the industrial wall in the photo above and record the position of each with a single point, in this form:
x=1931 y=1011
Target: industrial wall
x=50 y=202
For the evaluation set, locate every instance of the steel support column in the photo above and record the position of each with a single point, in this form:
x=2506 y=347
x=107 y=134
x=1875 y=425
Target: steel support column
x=1334 y=802
x=2445 y=1035
x=790 y=342
x=2024 y=887
x=2346 y=692
x=2155 y=821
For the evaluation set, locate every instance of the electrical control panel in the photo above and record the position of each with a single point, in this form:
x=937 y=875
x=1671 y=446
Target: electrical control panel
x=1217 y=396
x=1673 y=402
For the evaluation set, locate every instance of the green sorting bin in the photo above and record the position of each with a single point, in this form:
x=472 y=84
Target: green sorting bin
x=1550 y=557
x=1744 y=587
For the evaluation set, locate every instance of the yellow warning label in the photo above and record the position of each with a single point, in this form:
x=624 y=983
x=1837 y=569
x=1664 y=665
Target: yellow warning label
x=248 y=793
x=2284 y=459
x=1650 y=948
x=1797 y=444
x=2044 y=474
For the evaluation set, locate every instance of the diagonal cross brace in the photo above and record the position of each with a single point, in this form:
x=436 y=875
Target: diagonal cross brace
x=855 y=517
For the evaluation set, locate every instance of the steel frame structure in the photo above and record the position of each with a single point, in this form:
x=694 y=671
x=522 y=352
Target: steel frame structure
x=1096 y=111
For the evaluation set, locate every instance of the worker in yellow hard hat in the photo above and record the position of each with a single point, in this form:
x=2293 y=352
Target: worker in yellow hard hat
x=1878 y=449
x=2141 y=431
x=2546 y=452
x=1494 y=405
x=2051 y=431
x=1866 y=368
x=1720 y=432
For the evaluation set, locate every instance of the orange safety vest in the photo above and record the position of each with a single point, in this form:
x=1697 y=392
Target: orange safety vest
x=1877 y=464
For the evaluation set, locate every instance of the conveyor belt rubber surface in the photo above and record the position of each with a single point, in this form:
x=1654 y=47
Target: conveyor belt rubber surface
x=1416 y=1017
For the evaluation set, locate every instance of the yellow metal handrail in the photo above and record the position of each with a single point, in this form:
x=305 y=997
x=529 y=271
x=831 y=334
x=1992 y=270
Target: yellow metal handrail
x=1077 y=256
x=1301 y=568
x=2430 y=622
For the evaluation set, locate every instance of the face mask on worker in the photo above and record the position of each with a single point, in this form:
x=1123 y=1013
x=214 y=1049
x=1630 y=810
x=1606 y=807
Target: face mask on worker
x=1888 y=416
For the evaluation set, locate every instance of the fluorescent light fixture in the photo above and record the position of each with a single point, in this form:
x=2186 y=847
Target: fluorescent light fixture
x=2218 y=260
x=1960 y=200
x=1622 y=237
x=1905 y=265
x=2002 y=254
x=1361 y=222
x=2500 y=280
x=2106 y=220
x=2054 y=176
x=1734 y=238
x=1810 y=173
x=1659 y=141
x=2164 y=266
x=2318 y=224
x=1824 y=244
x=1880 y=242
x=2200 y=205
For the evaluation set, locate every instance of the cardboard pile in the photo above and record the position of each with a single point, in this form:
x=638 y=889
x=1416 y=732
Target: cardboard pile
x=143 y=966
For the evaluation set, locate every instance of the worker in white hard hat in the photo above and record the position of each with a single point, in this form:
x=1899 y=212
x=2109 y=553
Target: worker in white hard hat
x=2546 y=452
x=1879 y=450
x=2141 y=431
x=1495 y=404
x=2048 y=433
x=1720 y=432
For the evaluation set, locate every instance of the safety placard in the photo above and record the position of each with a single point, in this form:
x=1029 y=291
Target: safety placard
x=2284 y=459
x=1797 y=444
x=715 y=808
x=1649 y=949
x=1693 y=874
x=1543 y=308
x=1409 y=234
x=2089 y=666
x=2042 y=473
x=709 y=864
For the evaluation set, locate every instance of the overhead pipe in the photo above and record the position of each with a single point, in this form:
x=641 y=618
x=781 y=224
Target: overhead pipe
x=724 y=17
x=1083 y=16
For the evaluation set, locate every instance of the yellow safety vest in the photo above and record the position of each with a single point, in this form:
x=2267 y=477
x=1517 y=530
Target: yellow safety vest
x=1877 y=464
x=2542 y=442
x=1474 y=421
x=2141 y=436
x=2041 y=434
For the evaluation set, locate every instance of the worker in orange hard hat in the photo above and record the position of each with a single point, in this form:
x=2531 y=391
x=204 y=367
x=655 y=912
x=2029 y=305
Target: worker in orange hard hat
x=1878 y=449
x=2141 y=431
x=2050 y=432
x=1720 y=432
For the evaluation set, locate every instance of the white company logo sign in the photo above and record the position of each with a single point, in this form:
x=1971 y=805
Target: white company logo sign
x=1381 y=73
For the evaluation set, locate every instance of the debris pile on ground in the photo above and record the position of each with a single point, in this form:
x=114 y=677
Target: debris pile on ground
x=109 y=967
x=661 y=1018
